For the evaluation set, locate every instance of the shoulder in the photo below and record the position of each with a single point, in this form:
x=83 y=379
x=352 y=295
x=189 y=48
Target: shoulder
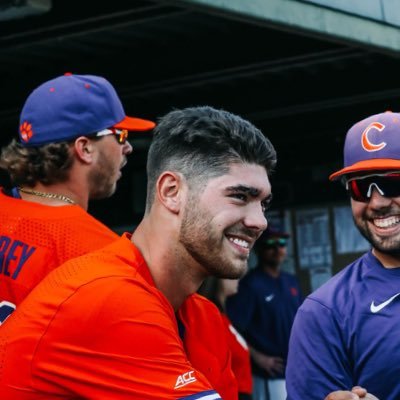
x=65 y=228
x=338 y=292
x=203 y=316
x=99 y=285
x=201 y=307
x=118 y=258
x=84 y=226
x=289 y=277
x=107 y=270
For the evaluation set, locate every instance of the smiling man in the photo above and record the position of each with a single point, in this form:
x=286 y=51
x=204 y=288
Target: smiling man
x=346 y=332
x=125 y=322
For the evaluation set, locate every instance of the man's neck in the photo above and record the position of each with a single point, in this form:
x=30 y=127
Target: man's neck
x=272 y=270
x=172 y=272
x=54 y=195
x=389 y=261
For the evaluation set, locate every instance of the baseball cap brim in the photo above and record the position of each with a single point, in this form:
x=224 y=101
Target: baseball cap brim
x=378 y=164
x=279 y=234
x=274 y=232
x=135 y=124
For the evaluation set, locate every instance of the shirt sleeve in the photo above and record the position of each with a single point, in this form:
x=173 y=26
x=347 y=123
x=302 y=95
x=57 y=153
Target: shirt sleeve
x=117 y=340
x=317 y=361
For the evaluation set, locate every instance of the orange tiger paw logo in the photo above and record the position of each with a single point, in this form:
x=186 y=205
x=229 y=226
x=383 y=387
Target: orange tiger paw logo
x=26 y=131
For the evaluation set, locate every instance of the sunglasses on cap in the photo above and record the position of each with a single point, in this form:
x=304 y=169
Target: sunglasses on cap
x=276 y=242
x=120 y=134
x=361 y=188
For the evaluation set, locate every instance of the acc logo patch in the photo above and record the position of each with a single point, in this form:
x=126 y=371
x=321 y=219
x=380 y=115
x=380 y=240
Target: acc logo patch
x=25 y=130
x=366 y=143
x=185 y=379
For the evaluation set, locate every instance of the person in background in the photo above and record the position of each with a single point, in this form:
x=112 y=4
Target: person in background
x=72 y=146
x=263 y=311
x=345 y=333
x=125 y=321
x=218 y=290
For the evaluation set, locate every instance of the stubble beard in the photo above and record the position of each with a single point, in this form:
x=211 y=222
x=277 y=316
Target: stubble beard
x=206 y=245
x=387 y=245
x=102 y=179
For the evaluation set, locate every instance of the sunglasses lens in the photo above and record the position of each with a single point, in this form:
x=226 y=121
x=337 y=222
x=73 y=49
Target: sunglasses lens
x=357 y=190
x=122 y=136
x=281 y=242
x=387 y=185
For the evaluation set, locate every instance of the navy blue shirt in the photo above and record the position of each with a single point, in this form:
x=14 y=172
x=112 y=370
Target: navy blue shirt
x=347 y=333
x=263 y=311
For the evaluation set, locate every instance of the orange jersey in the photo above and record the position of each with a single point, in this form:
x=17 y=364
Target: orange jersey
x=98 y=328
x=241 y=365
x=35 y=238
x=206 y=346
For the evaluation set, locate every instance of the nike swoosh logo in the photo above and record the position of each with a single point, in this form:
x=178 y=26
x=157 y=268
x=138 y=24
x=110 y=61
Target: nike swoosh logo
x=269 y=298
x=375 y=309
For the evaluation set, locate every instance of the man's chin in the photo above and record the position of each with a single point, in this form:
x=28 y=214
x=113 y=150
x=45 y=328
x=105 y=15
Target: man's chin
x=105 y=194
x=235 y=272
x=389 y=250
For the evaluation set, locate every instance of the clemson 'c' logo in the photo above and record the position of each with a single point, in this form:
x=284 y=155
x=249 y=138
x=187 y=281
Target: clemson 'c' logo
x=366 y=144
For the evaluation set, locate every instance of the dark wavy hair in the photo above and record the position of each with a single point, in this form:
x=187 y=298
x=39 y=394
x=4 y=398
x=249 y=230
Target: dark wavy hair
x=201 y=143
x=28 y=165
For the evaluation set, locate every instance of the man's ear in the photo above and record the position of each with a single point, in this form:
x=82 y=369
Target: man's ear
x=169 y=190
x=84 y=149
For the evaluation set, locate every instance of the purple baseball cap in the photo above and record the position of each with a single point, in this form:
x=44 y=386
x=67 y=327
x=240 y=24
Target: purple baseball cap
x=273 y=232
x=70 y=106
x=372 y=144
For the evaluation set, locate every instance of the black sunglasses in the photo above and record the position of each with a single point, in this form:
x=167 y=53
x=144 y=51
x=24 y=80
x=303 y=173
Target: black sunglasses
x=278 y=242
x=361 y=188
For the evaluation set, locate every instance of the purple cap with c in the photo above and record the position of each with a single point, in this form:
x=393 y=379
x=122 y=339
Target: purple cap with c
x=372 y=144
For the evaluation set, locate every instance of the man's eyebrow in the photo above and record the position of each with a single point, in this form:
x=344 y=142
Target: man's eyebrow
x=252 y=191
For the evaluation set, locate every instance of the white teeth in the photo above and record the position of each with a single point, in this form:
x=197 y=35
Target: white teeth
x=239 y=242
x=386 y=222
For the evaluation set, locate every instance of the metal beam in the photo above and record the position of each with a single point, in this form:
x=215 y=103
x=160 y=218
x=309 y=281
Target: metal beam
x=309 y=18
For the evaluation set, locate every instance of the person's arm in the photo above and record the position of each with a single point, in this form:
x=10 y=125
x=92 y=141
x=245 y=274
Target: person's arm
x=355 y=394
x=317 y=361
x=271 y=365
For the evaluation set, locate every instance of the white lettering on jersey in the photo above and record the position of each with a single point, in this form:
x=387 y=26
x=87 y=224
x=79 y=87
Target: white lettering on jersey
x=185 y=379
